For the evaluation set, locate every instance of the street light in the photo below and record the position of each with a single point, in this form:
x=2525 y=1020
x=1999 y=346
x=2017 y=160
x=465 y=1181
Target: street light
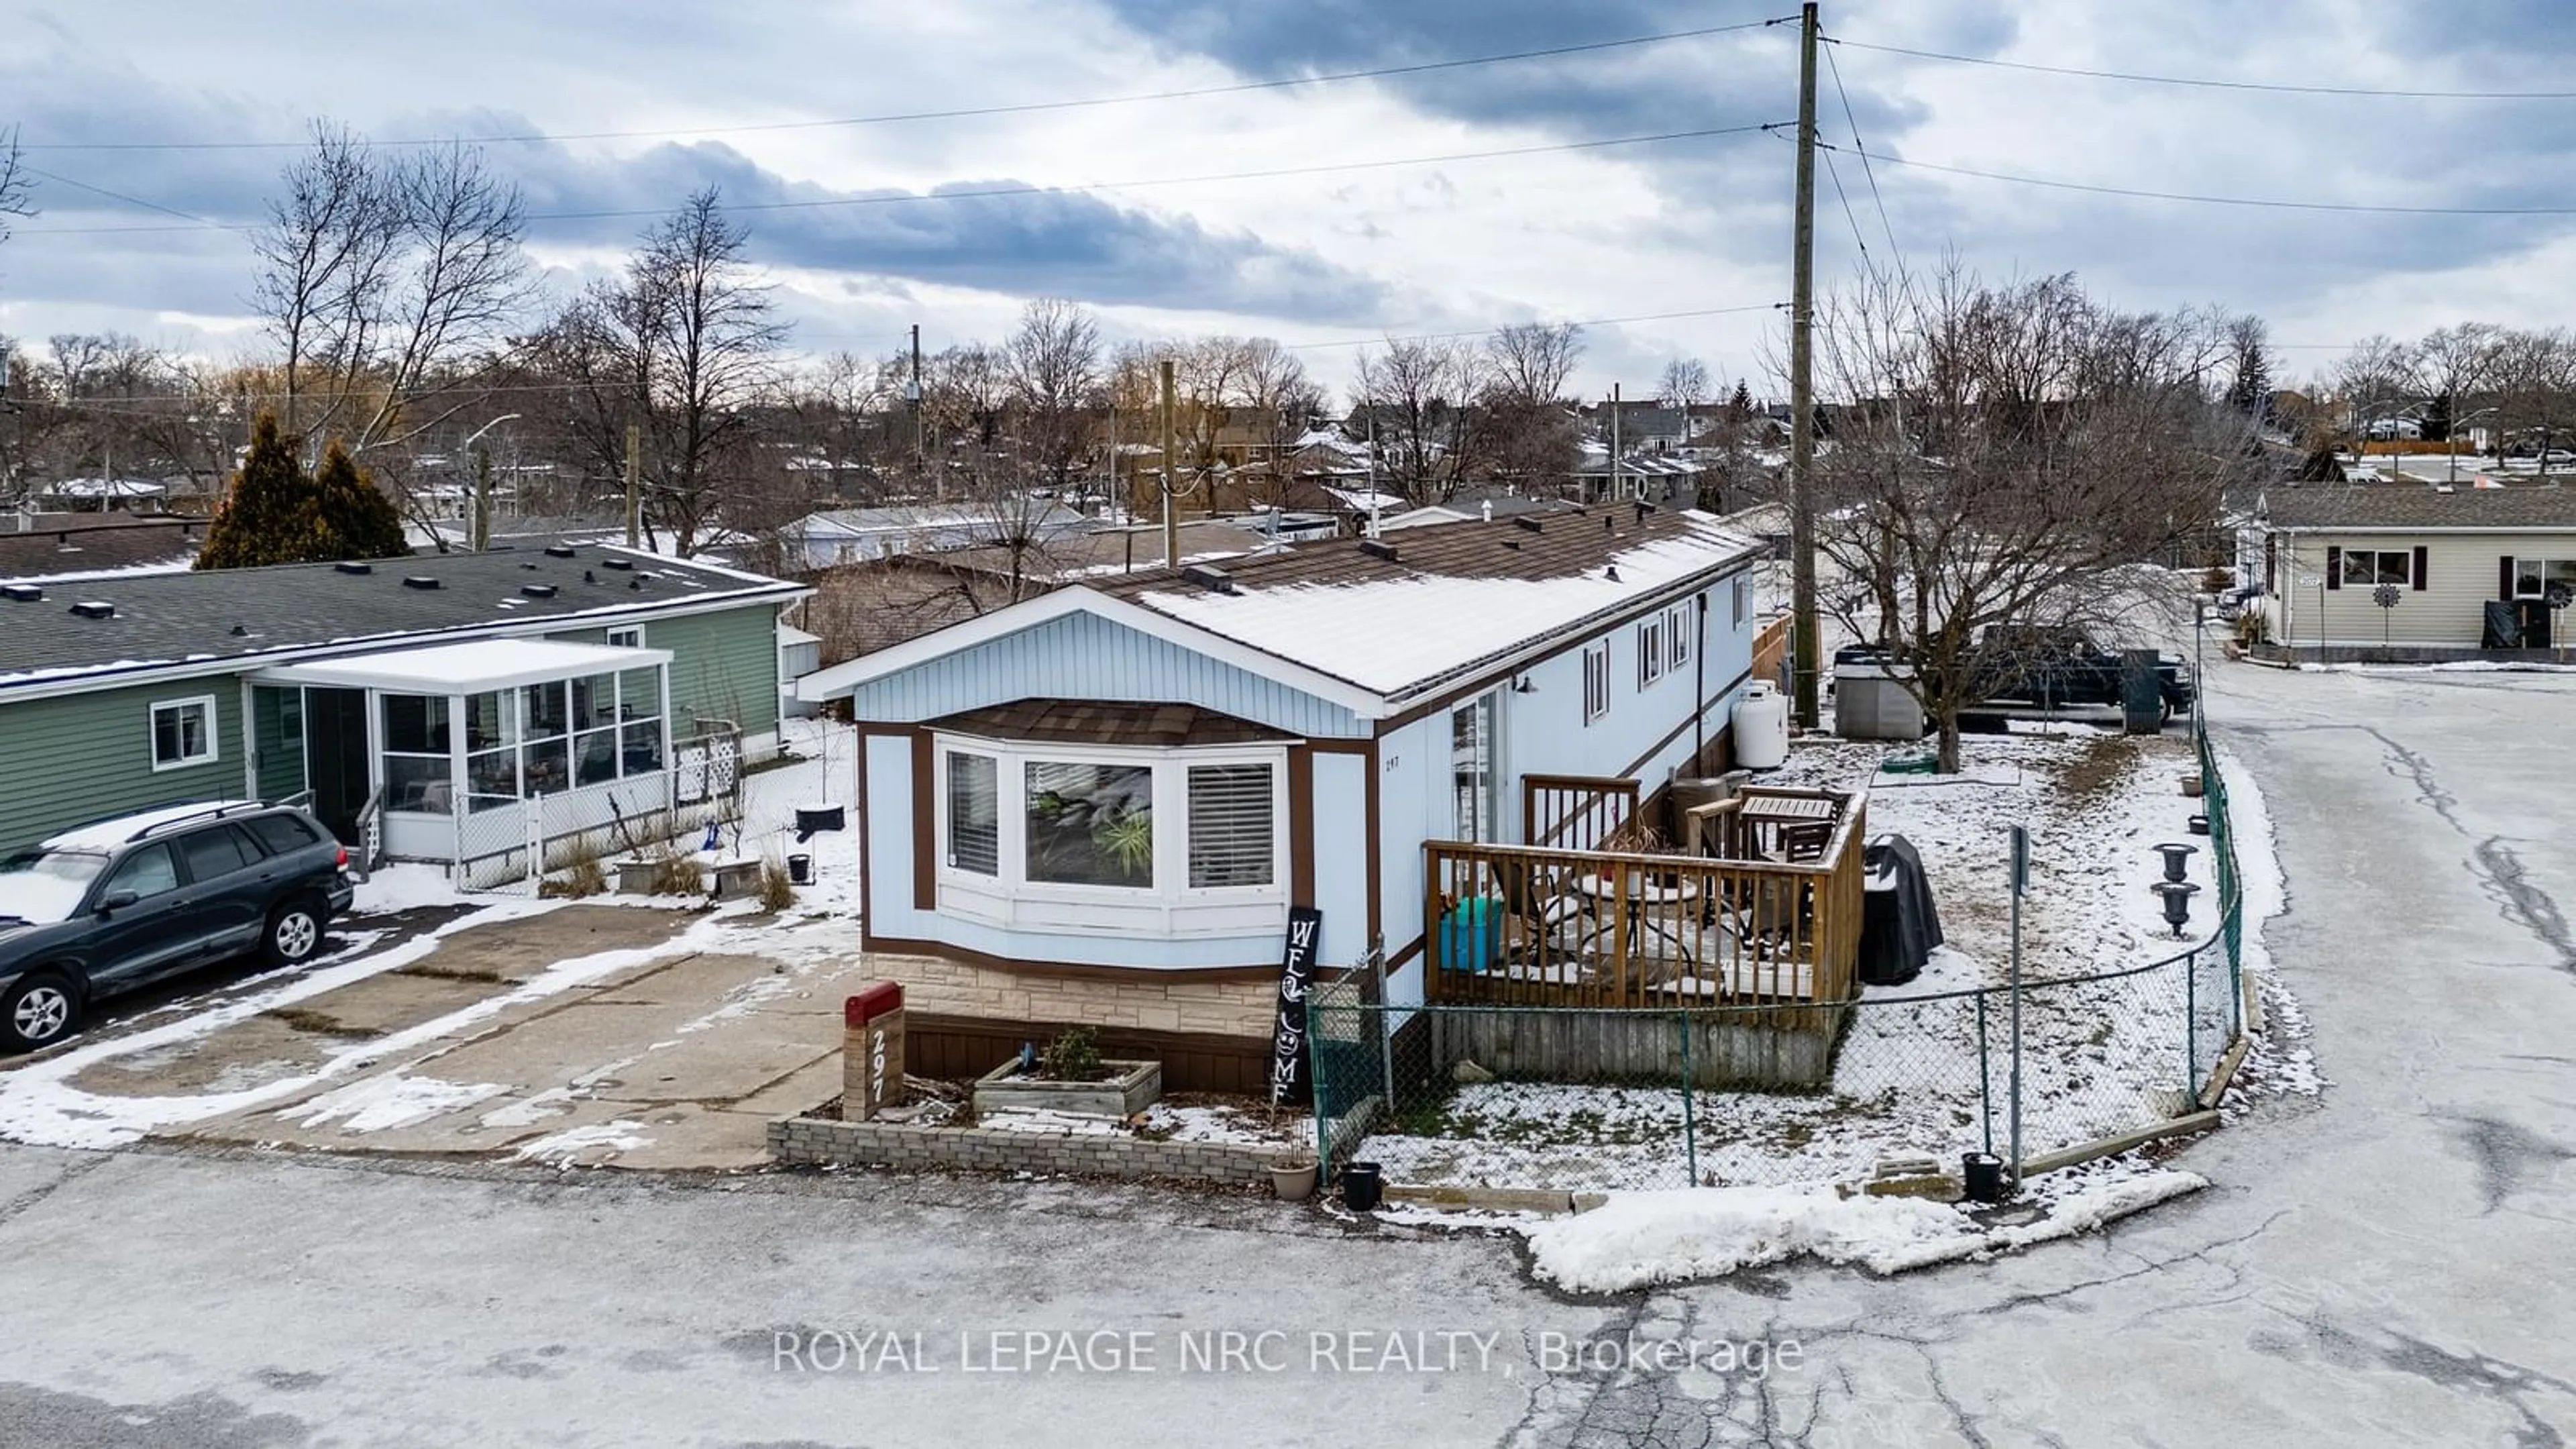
x=482 y=534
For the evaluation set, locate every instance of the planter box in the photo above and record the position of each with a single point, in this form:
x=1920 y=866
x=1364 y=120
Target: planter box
x=737 y=880
x=1130 y=1088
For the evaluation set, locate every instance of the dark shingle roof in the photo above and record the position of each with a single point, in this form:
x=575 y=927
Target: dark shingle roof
x=1089 y=721
x=2414 y=506
x=90 y=543
x=182 y=618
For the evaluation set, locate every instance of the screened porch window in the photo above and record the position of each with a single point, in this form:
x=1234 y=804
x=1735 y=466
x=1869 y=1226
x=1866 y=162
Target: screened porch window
x=541 y=739
x=416 y=754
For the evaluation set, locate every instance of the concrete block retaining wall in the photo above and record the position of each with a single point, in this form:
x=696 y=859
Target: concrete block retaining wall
x=817 y=1141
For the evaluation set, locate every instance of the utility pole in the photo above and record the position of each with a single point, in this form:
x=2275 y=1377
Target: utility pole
x=1803 y=647
x=634 y=484
x=1171 y=505
x=912 y=396
x=482 y=498
x=1614 y=445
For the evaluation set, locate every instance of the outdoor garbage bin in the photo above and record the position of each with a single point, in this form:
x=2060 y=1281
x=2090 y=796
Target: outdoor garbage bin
x=1870 y=701
x=1361 y=1184
x=800 y=869
x=1983 y=1177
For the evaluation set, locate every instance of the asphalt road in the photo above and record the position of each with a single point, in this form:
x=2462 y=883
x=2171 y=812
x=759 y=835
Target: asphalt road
x=2387 y=1264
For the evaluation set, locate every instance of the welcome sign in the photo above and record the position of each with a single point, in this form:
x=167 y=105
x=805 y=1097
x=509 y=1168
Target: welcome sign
x=1289 y=1084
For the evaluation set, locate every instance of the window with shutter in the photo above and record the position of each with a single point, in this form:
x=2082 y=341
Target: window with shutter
x=2423 y=558
x=974 y=814
x=1231 y=816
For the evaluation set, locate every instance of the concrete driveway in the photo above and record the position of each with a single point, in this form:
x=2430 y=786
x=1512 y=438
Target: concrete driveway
x=2386 y=1264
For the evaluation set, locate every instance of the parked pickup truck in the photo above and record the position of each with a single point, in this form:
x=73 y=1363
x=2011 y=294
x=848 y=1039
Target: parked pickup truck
x=2051 y=668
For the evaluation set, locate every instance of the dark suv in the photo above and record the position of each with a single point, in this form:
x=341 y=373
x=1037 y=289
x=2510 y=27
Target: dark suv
x=112 y=905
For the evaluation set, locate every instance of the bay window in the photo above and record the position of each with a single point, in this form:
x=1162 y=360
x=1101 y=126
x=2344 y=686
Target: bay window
x=1110 y=838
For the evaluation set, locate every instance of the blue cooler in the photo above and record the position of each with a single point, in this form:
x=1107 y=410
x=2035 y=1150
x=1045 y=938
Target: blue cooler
x=1471 y=935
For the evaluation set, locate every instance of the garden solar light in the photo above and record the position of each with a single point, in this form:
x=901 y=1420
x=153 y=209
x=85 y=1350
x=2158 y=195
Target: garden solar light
x=2175 y=854
x=2177 y=896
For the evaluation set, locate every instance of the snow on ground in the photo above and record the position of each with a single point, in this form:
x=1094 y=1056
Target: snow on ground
x=376 y=1104
x=1640 y=1239
x=622 y=1135
x=405 y=886
x=1919 y=1072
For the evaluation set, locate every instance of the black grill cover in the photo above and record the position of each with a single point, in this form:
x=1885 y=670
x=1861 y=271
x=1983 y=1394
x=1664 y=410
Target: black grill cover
x=1899 y=926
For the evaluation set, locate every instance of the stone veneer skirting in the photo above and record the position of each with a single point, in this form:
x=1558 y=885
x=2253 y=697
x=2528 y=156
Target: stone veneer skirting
x=820 y=1141
x=1141 y=1000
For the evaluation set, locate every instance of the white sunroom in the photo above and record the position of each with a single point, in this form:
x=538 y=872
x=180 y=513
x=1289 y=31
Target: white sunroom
x=471 y=749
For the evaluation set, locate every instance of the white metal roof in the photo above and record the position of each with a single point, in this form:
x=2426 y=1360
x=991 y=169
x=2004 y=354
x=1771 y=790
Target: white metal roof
x=470 y=668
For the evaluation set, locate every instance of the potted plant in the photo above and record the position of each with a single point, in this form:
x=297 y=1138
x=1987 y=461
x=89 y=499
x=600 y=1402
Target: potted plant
x=1292 y=1178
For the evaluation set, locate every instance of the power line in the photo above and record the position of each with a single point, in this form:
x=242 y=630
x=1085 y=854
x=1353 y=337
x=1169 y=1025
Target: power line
x=121 y=196
x=1835 y=66
x=962 y=112
x=2201 y=82
x=983 y=193
x=2271 y=203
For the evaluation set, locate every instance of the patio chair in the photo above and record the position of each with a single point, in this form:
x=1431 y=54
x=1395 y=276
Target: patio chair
x=1805 y=842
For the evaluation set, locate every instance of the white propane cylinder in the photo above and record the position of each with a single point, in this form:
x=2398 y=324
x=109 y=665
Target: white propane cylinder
x=1761 y=729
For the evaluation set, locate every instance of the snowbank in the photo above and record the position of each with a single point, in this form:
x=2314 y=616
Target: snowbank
x=1639 y=1239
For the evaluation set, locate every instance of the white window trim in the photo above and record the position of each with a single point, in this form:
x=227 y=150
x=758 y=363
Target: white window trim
x=625 y=636
x=1170 y=908
x=214 y=746
x=2545 y=566
x=1678 y=640
x=2405 y=557
x=1652 y=634
x=1596 y=657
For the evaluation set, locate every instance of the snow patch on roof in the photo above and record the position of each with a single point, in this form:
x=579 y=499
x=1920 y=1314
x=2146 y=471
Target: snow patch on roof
x=1388 y=635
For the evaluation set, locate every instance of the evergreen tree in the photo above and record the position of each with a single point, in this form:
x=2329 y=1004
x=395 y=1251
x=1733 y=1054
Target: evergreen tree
x=266 y=516
x=1739 y=408
x=352 y=518
x=278 y=514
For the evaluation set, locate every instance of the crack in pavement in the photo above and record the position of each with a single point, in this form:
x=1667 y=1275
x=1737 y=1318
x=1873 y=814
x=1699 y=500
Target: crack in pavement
x=2524 y=903
x=2496 y=1380
x=72 y=1173
x=2506 y=1155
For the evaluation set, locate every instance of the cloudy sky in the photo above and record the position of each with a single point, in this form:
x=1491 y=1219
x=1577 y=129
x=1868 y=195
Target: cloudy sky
x=1327 y=213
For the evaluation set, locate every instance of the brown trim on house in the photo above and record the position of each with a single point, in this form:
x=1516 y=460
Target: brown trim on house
x=1075 y=970
x=1301 y=826
x=867 y=900
x=925 y=822
x=1693 y=718
x=886 y=727
x=1333 y=746
x=1403 y=958
x=1369 y=793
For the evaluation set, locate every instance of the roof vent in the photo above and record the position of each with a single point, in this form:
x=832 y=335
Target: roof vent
x=617 y=563
x=94 y=609
x=588 y=577
x=538 y=591
x=1214 y=580
x=1513 y=544
x=1523 y=520
x=23 y=593
x=352 y=566
x=532 y=568
x=1610 y=572
x=558 y=550
x=1380 y=548
x=634 y=583
x=241 y=631
x=419 y=581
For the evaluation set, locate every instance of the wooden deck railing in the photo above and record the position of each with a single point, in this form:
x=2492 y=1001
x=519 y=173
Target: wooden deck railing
x=1575 y=812
x=1535 y=926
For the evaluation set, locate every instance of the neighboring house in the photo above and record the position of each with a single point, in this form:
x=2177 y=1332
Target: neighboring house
x=103 y=495
x=447 y=688
x=1666 y=482
x=1481 y=506
x=59 y=545
x=854 y=535
x=1097 y=807
x=2321 y=551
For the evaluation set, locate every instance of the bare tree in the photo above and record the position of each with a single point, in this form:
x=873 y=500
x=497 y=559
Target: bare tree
x=1052 y=363
x=2376 y=377
x=16 y=186
x=2533 y=382
x=1684 y=384
x=683 y=348
x=1415 y=395
x=2003 y=457
x=2450 y=363
x=382 y=277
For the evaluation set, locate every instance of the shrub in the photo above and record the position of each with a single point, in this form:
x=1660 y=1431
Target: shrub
x=777 y=888
x=1074 y=1056
x=675 y=874
x=582 y=873
x=2253 y=627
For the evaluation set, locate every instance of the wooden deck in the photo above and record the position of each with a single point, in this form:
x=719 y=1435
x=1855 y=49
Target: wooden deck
x=1542 y=926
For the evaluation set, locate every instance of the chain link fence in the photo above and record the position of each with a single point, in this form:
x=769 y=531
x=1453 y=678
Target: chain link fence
x=1576 y=1099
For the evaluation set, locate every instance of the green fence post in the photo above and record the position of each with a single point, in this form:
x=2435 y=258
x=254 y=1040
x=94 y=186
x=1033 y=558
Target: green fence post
x=2191 y=1025
x=1690 y=1119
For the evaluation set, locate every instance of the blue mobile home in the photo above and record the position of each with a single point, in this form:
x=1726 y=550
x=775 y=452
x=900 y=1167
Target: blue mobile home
x=1097 y=807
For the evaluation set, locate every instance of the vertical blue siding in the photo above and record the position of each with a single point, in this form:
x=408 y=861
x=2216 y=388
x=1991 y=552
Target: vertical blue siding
x=1083 y=656
x=1340 y=851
